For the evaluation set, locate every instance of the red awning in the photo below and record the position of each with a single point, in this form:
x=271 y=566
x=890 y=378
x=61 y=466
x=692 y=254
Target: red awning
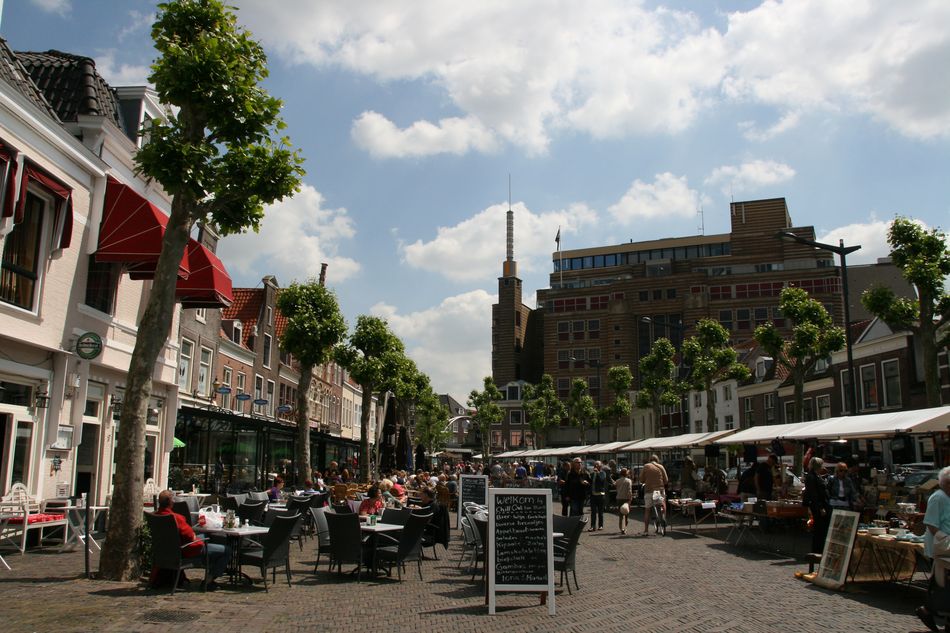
x=131 y=232
x=208 y=285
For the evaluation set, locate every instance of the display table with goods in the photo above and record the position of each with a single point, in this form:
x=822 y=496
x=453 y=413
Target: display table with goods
x=887 y=557
x=750 y=517
x=695 y=511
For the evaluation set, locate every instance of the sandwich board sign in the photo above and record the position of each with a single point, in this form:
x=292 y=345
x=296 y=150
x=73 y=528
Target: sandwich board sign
x=520 y=543
x=472 y=488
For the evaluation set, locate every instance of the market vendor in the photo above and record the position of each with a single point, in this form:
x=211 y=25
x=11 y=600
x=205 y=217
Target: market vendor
x=937 y=538
x=842 y=492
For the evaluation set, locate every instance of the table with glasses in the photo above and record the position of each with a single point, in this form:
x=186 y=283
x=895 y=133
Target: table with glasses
x=372 y=530
x=234 y=536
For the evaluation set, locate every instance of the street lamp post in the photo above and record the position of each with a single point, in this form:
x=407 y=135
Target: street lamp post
x=842 y=251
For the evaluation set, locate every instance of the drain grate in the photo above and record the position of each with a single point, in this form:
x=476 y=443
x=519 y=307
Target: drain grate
x=171 y=616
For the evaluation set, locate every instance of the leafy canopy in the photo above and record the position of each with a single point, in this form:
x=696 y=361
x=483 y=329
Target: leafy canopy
x=314 y=325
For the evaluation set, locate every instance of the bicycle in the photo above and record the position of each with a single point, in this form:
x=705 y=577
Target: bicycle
x=659 y=513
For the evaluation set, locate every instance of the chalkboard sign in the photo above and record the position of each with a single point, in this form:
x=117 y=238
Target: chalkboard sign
x=520 y=543
x=472 y=488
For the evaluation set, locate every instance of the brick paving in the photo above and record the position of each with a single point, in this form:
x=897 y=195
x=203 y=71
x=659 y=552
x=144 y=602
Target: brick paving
x=680 y=582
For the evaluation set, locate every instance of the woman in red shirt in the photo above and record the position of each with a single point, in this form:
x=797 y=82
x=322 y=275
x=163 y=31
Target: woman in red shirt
x=373 y=503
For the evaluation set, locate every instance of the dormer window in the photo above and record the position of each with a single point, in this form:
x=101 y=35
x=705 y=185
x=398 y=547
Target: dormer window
x=236 y=332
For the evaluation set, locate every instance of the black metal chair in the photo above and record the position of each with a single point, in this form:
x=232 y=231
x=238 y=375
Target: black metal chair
x=274 y=549
x=167 y=550
x=394 y=516
x=320 y=500
x=408 y=548
x=301 y=505
x=323 y=533
x=346 y=543
x=255 y=495
x=180 y=507
x=565 y=550
x=481 y=539
x=343 y=508
x=252 y=511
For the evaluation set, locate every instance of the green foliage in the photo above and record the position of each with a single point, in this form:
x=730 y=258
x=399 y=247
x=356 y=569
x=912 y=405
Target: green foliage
x=658 y=385
x=432 y=419
x=218 y=153
x=487 y=411
x=543 y=408
x=581 y=410
x=315 y=324
x=712 y=359
x=814 y=337
x=924 y=261
x=619 y=381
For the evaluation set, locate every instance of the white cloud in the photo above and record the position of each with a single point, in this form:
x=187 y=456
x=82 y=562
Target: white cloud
x=382 y=139
x=451 y=342
x=474 y=248
x=610 y=68
x=666 y=196
x=295 y=237
x=876 y=58
x=61 y=7
x=871 y=236
x=139 y=25
x=119 y=73
x=787 y=122
x=749 y=176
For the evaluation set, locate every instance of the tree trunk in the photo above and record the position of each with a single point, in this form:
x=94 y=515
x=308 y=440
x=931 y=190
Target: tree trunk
x=485 y=432
x=710 y=409
x=799 y=402
x=656 y=420
x=303 y=424
x=367 y=402
x=118 y=560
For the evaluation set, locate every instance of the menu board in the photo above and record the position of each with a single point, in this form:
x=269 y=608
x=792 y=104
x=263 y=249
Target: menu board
x=836 y=558
x=472 y=488
x=520 y=543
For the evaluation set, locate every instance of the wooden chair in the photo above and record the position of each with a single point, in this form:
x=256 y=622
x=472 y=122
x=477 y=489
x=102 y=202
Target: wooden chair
x=338 y=493
x=22 y=512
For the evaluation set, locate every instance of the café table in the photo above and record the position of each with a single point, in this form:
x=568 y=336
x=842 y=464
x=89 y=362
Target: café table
x=235 y=537
x=372 y=531
x=76 y=524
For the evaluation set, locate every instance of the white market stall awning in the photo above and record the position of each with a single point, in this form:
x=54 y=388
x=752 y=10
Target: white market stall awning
x=606 y=447
x=686 y=440
x=876 y=425
x=764 y=433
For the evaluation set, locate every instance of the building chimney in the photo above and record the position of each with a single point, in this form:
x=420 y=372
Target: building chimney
x=323 y=274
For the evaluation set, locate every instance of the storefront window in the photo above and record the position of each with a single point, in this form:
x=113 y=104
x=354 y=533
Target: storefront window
x=280 y=455
x=22 y=445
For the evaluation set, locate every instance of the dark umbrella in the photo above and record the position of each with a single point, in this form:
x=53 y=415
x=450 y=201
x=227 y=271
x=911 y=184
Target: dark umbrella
x=421 y=456
x=402 y=446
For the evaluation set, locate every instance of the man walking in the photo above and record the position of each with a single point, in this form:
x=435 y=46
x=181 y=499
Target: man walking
x=598 y=497
x=576 y=487
x=654 y=480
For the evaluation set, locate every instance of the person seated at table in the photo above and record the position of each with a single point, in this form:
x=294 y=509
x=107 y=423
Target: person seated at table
x=437 y=530
x=842 y=492
x=385 y=488
x=217 y=554
x=373 y=503
x=318 y=481
x=273 y=495
x=308 y=488
x=345 y=476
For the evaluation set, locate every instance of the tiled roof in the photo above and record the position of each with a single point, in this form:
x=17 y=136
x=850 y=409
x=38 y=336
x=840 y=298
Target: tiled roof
x=246 y=307
x=71 y=84
x=858 y=328
x=14 y=73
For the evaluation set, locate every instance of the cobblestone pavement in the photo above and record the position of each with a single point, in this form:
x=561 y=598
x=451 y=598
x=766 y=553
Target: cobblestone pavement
x=681 y=582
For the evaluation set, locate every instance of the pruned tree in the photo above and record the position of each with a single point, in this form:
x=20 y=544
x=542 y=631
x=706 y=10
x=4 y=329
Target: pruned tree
x=814 y=336
x=374 y=356
x=658 y=386
x=619 y=380
x=543 y=409
x=215 y=154
x=487 y=411
x=314 y=327
x=581 y=410
x=432 y=421
x=924 y=261
x=712 y=360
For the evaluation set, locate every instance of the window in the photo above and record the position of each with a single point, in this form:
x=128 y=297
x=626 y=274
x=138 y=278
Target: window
x=496 y=438
x=807 y=410
x=578 y=328
x=697 y=399
x=743 y=319
x=643 y=295
x=271 y=387
x=593 y=386
x=892 y=383
x=845 y=391
x=236 y=333
x=226 y=377
x=824 y=407
x=769 y=408
x=868 y=387
x=728 y=423
x=515 y=438
x=726 y=393
x=267 y=346
x=579 y=356
x=102 y=281
x=725 y=319
x=20 y=268
x=564 y=330
x=204 y=371
x=513 y=392
x=563 y=359
x=671 y=293
x=201 y=314
x=22 y=452
x=240 y=387
x=515 y=418
x=563 y=390
x=593 y=328
x=270 y=315
x=184 y=363
x=258 y=391
x=748 y=411
x=790 y=412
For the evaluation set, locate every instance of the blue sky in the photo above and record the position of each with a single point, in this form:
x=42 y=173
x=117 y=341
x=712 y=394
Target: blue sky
x=616 y=120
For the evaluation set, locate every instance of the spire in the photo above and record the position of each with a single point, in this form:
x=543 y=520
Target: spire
x=510 y=266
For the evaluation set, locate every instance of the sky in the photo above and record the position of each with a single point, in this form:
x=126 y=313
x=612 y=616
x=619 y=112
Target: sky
x=615 y=120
